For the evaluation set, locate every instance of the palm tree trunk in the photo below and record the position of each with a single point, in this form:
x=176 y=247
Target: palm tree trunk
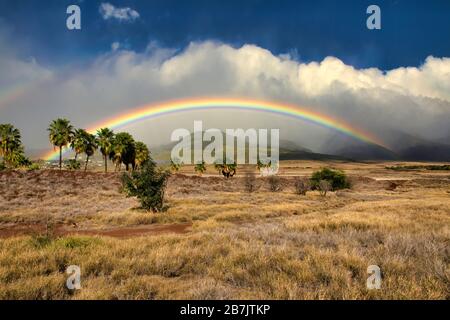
x=76 y=155
x=60 y=158
x=85 y=165
x=106 y=163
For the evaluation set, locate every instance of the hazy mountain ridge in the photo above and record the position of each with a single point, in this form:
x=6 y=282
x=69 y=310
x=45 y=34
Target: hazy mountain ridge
x=338 y=147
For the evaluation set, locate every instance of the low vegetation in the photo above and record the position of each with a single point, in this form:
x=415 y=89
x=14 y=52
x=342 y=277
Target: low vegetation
x=228 y=169
x=301 y=186
x=274 y=183
x=241 y=245
x=324 y=186
x=175 y=166
x=250 y=182
x=72 y=164
x=148 y=185
x=200 y=168
x=336 y=178
x=445 y=167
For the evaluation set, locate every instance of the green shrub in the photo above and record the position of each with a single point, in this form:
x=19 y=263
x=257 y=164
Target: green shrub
x=77 y=242
x=40 y=241
x=72 y=164
x=337 y=179
x=175 y=166
x=148 y=185
x=228 y=169
x=200 y=168
x=17 y=159
x=2 y=166
x=34 y=166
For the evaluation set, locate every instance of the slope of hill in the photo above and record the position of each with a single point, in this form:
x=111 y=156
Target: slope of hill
x=289 y=150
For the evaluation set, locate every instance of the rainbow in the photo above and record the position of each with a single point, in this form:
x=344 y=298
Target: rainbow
x=155 y=110
x=9 y=95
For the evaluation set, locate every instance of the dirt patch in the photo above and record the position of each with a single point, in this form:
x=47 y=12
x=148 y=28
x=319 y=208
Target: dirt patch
x=8 y=231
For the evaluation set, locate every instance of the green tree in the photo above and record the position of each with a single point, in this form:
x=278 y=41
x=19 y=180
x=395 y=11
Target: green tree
x=78 y=141
x=9 y=140
x=142 y=154
x=227 y=169
x=17 y=158
x=200 y=168
x=123 y=150
x=260 y=165
x=105 y=138
x=175 y=165
x=11 y=148
x=147 y=184
x=90 y=145
x=60 y=135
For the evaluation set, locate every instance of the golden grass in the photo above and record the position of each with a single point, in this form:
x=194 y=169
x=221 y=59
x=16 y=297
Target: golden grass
x=260 y=245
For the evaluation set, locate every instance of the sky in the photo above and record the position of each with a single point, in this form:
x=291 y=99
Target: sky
x=315 y=53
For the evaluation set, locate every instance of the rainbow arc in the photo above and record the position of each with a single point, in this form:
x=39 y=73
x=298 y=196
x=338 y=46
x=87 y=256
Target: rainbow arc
x=160 y=109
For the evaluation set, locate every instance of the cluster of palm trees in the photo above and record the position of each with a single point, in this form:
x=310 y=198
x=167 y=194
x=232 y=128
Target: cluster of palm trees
x=118 y=147
x=11 y=148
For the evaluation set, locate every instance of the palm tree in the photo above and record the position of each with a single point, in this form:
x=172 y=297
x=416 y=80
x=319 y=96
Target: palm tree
x=90 y=145
x=17 y=158
x=142 y=154
x=78 y=141
x=123 y=150
x=9 y=141
x=262 y=166
x=105 y=139
x=11 y=148
x=200 y=168
x=227 y=169
x=175 y=165
x=60 y=135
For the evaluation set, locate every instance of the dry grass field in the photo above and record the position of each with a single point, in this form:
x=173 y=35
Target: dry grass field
x=218 y=241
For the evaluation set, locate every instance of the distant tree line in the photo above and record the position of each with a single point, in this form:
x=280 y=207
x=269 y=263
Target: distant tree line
x=120 y=148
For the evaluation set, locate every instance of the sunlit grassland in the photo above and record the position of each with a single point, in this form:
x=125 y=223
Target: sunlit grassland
x=268 y=245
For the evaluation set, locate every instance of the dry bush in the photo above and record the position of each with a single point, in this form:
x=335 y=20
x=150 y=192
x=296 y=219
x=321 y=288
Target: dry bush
x=324 y=186
x=250 y=182
x=301 y=186
x=274 y=184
